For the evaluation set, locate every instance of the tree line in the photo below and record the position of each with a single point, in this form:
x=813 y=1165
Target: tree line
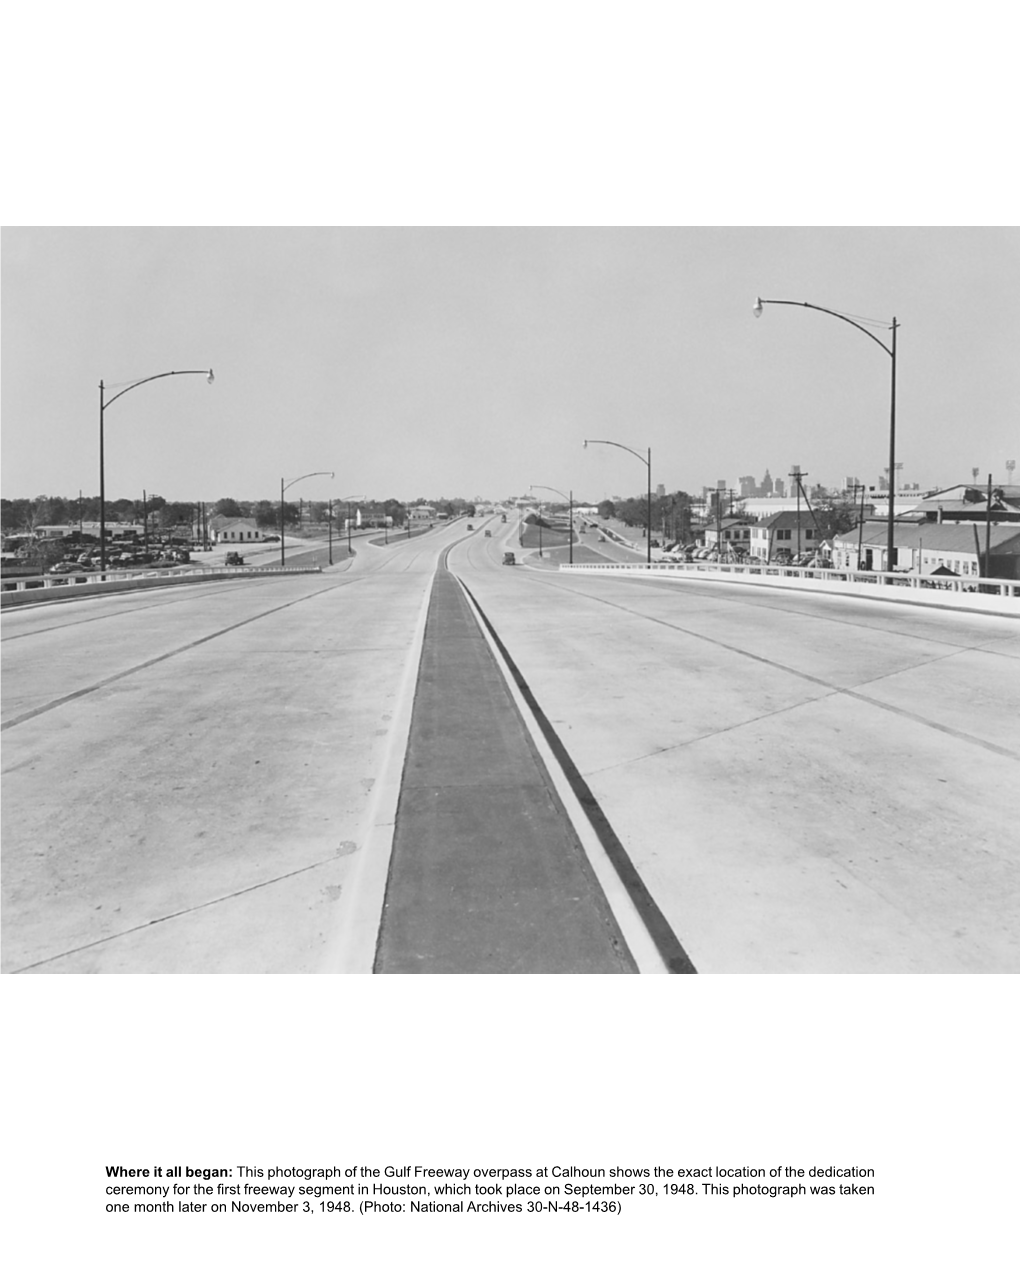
x=23 y=514
x=672 y=514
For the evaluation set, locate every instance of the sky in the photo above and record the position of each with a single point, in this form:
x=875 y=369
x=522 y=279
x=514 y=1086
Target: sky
x=474 y=362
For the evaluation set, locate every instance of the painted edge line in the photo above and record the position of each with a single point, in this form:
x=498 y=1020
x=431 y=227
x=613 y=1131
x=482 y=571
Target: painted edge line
x=665 y=941
x=357 y=923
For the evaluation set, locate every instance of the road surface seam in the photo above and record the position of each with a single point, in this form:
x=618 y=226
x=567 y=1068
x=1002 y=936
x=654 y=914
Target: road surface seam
x=147 y=664
x=739 y=592
x=635 y=932
x=664 y=938
x=868 y=593
x=162 y=919
x=351 y=948
x=173 y=596
x=833 y=689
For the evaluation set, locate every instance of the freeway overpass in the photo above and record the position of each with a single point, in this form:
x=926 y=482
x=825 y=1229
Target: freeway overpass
x=423 y=761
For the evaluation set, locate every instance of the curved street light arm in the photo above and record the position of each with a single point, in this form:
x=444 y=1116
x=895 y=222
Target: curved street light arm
x=306 y=477
x=549 y=489
x=648 y=463
x=152 y=377
x=890 y=351
x=283 y=489
x=570 y=501
x=104 y=404
x=627 y=446
x=797 y=303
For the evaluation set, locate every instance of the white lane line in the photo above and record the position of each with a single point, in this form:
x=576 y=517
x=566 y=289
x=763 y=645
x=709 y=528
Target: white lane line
x=632 y=926
x=351 y=944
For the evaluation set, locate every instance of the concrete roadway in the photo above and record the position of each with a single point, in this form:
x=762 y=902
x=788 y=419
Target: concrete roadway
x=206 y=780
x=805 y=783
x=190 y=774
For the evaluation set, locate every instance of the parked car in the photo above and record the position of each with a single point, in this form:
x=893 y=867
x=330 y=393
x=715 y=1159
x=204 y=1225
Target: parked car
x=272 y=537
x=233 y=559
x=509 y=558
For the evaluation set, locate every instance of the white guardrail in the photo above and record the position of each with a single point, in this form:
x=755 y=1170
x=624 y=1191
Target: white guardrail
x=20 y=589
x=961 y=593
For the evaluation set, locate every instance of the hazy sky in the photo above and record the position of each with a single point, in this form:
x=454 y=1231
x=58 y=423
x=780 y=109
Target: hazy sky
x=473 y=362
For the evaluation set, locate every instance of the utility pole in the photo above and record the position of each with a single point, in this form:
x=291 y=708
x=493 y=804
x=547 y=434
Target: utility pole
x=797 y=475
x=988 y=531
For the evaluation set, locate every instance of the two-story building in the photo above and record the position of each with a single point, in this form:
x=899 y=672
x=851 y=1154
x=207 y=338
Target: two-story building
x=784 y=535
x=732 y=534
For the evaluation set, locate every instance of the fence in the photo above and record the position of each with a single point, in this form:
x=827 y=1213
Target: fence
x=962 y=593
x=23 y=589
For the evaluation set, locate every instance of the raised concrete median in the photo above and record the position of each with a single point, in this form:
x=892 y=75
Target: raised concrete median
x=487 y=873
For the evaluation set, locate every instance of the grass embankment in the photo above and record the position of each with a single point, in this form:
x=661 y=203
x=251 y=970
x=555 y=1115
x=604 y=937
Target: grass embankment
x=551 y=537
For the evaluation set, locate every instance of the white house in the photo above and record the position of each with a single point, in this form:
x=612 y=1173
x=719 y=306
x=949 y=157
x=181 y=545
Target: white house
x=222 y=528
x=734 y=534
x=784 y=535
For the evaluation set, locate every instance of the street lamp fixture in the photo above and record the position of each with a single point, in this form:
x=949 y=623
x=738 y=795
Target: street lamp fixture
x=570 y=498
x=890 y=350
x=104 y=404
x=283 y=489
x=648 y=463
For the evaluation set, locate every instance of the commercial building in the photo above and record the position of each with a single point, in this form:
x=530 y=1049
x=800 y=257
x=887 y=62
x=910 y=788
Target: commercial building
x=924 y=548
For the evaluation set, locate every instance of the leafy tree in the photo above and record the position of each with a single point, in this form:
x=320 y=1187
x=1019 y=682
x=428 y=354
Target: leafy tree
x=835 y=514
x=266 y=513
x=16 y=514
x=172 y=513
x=607 y=509
x=228 y=507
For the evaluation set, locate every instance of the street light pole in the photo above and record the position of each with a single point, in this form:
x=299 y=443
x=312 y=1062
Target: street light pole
x=352 y=497
x=648 y=463
x=104 y=404
x=570 y=498
x=890 y=351
x=283 y=489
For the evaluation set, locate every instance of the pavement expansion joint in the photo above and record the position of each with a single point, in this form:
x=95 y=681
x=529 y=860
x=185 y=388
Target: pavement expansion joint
x=189 y=910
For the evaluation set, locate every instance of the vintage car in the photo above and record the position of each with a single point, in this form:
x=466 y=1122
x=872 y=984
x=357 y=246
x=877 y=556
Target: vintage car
x=509 y=557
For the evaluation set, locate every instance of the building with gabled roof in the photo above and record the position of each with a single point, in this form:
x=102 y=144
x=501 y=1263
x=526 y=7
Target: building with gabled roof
x=784 y=534
x=225 y=528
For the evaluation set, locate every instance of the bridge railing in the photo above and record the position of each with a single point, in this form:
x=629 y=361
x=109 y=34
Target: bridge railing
x=94 y=580
x=903 y=580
